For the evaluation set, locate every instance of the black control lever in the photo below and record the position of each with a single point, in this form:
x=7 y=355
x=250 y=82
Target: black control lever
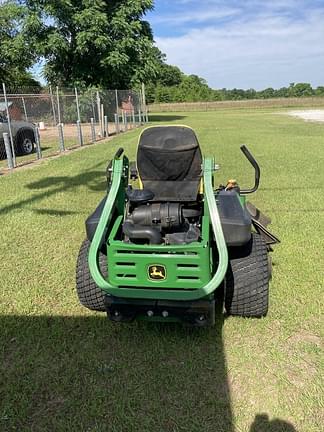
x=256 y=167
x=118 y=153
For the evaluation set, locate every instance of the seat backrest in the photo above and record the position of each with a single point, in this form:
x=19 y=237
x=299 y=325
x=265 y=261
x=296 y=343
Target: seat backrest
x=169 y=162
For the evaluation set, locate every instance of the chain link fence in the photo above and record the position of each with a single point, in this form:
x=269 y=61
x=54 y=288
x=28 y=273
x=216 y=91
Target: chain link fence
x=39 y=124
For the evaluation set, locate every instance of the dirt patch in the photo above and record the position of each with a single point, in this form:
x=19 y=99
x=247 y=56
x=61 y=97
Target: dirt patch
x=302 y=361
x=300 y=372
x=304 y=336
x=309 y=115
x=70 y=131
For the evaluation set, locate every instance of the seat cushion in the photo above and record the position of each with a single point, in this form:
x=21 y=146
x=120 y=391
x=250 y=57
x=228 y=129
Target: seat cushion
x=169 y=162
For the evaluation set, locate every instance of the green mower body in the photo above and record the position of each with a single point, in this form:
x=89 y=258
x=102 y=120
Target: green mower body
x=162 y=251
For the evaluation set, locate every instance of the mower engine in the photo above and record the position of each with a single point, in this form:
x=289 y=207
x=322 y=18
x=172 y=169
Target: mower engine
x=162 y=223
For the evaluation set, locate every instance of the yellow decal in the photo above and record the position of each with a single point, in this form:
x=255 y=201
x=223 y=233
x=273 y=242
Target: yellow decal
x=156 y=272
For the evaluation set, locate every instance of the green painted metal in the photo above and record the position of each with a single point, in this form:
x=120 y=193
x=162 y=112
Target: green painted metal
x=242 y=200
x=114 y=196
x=186 y=266
x=153 y=291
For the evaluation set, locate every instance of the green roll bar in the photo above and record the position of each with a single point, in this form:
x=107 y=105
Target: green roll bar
x=155 y=293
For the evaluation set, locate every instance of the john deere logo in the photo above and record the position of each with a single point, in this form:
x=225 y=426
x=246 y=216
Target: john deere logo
x=156 y=272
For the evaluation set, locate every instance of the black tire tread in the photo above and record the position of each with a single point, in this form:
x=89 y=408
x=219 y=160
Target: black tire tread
x=21 y=134
x=90 y=295
x=247 y=280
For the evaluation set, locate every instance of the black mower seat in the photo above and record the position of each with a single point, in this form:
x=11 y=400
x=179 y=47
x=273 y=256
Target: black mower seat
x=169 y=162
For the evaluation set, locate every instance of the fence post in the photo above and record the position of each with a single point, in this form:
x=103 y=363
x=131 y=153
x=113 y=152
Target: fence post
x=79 y=117
x=143 y=94
x=80 y=137
x=125 y=121
x=144 y=103
x=38 y=146
x=93 y=107
x=13 y=154
x=25 y=111
x=133 y=119
x=117 y=123
x=58 y=105
x=106 y=128
x=140 y=105
x=139 y=115
x=93 y=130
x=77 y=103
x=61 y=137
x=8 y=150
x=122 y=121
x=99 y=113
x=116 y=96
x=53 y=106
x=103 y=134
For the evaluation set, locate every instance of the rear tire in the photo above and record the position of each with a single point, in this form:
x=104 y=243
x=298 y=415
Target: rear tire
x=25 y=142
x=247 y=279
x=90 y=295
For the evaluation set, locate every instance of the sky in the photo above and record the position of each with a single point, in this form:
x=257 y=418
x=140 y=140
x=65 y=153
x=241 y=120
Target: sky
x=243 y=44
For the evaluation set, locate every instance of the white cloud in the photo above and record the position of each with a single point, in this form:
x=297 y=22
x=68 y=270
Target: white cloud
x=267 y=49
x=195 y=16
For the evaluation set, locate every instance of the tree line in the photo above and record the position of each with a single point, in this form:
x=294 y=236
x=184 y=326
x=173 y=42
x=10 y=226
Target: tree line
x=172 y=85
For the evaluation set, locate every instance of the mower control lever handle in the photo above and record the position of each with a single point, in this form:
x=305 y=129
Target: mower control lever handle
x=118 y=153
x=256 y=167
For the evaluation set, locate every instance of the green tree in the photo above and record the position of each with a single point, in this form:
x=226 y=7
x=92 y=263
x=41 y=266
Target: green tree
x=193 y=89
x=283 y=92
x=267 y=93
x=92 y=42
x=15 y=54
x=302 y=89
x=164 y=94
x=319 y=91
x=169 y=75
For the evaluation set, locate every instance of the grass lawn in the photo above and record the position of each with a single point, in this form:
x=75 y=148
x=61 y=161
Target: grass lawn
x=64 y=368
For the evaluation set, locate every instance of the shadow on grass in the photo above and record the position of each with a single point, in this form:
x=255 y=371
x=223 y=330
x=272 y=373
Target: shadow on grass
x=86 y=373
x=44 y=148
x=165 y=118
x=64 y=183
x=93 y=180
x=263 y=424
x=52 y=212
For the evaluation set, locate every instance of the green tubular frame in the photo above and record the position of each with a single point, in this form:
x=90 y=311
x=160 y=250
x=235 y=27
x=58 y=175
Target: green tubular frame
x=117 y=183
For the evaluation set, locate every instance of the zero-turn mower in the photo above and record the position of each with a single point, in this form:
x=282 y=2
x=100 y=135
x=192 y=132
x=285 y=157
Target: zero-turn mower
x=163 y=250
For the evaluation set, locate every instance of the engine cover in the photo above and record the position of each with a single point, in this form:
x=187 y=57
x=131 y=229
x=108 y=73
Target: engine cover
x=164 y=215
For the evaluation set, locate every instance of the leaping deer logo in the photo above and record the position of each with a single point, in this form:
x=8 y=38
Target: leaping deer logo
x=157 y=272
